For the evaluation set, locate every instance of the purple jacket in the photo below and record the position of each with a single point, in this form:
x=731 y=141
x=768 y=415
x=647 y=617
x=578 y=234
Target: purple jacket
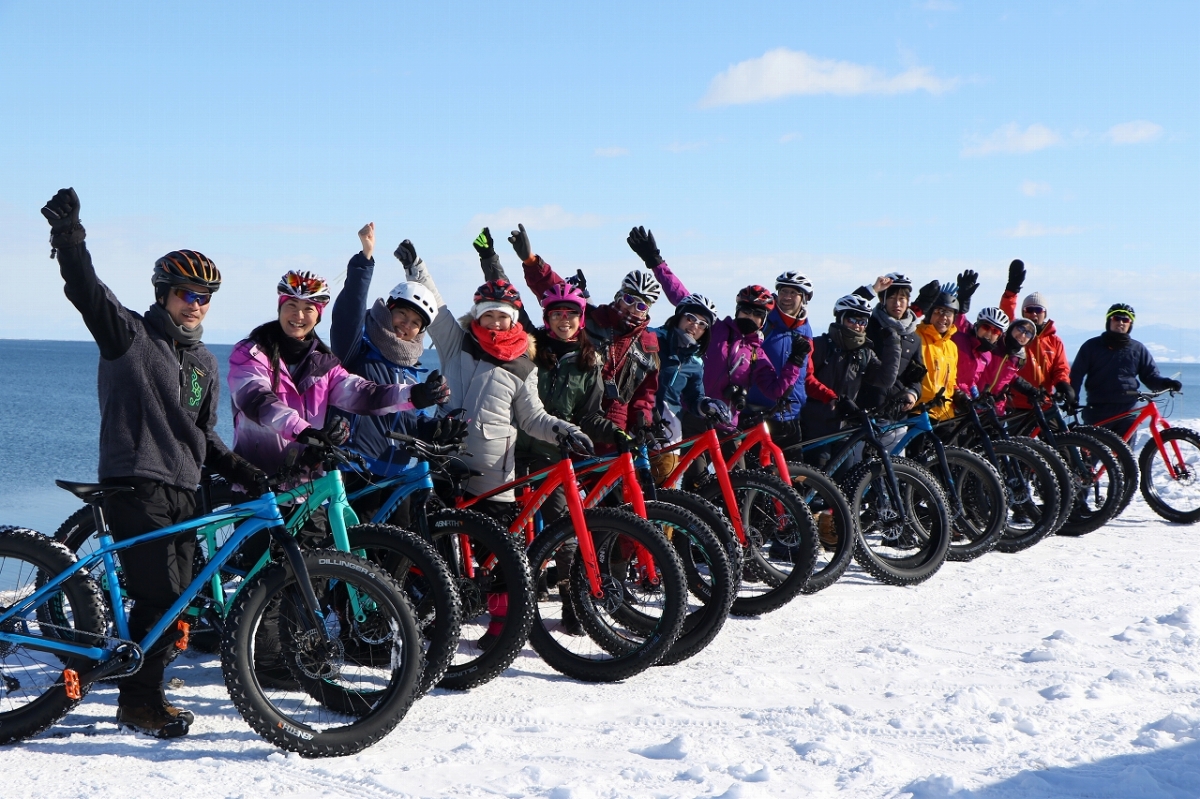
x=266 y=421
x=733 y=358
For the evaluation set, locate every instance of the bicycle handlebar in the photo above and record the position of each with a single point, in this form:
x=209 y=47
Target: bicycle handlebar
x=425 y=447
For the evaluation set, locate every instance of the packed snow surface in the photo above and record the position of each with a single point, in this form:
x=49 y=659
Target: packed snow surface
x=1068 y=670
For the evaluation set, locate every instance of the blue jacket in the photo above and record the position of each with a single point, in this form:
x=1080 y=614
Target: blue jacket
x=1110 y=375
x=777 y=344
x=680 y=376
x=349 y=342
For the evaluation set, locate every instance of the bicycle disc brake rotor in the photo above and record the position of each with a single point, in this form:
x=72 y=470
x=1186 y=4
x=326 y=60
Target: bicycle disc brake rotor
x=318 y=658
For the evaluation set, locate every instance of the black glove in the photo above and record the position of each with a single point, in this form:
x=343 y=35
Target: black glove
x=927 y=296
x=312 y=437
x=450 y=430
x=801 y=347
x=715 y=409
x=1024 y=386
x=1016 y=276
x=338 y=430
x=62 y=212
x=968 y=282
x=236 y=469
x=785 y=430
x=1174 y=385
x=1065 y=390
x=580 y=282
x=484 y=244
x=578 y=441
x=434 y=391
x=847 y=409
x=406 y=253
x=641 y=241
x=519 y=240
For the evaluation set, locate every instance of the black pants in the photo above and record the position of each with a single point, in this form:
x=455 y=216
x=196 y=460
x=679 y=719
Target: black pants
x=155 y=573
x=1095 y=413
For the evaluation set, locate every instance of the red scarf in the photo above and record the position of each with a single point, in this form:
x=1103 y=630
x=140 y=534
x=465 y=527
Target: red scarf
x=503 y=345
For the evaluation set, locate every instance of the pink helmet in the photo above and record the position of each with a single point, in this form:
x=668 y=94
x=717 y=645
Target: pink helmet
x=564 y=294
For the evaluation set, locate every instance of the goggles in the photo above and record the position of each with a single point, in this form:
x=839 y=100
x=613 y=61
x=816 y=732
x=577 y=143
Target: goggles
x=562 y=313
x=854 y=320
x=752 y=310
x=635 y=301
x=200 y=297
x=989 y=328
x=1121 y=317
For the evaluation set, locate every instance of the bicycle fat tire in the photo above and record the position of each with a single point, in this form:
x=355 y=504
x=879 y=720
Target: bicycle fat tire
x=1032 y=491
x=1083 y=455
x=978 y=487
x=1156 y=480
x=1130 y=473
x=823 y=496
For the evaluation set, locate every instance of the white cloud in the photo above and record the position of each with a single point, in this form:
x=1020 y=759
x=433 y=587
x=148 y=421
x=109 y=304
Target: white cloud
x=1032 y=188
x=610 y=152
x=1133 y=132
x=1026 y=230
x=547 y=217
x=1011 y=139
x=783 y=73
x=787 y=137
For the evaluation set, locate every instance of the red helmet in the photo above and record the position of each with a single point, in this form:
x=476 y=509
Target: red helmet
x=499 y=291
x=756 y=295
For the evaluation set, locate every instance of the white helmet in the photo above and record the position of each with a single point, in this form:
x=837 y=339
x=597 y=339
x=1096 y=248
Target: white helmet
x=852 y=303
x=994 y=317
x=643 y=284
x=700 y=303
x=797 y=280
x=415 y=296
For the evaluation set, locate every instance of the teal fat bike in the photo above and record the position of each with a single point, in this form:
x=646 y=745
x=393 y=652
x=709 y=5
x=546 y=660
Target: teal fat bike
x=344 y=629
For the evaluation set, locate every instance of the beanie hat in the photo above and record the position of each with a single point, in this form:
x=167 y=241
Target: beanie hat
x=1035 y=298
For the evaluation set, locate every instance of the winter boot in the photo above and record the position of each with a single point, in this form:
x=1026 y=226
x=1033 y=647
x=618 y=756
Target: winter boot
x=153 y=720
x=570 y=621
x=826 y=530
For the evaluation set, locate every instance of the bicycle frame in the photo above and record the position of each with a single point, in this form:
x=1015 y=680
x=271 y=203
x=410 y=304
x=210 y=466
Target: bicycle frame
x=1158 y=423
x=690 y=449
x=251 y=517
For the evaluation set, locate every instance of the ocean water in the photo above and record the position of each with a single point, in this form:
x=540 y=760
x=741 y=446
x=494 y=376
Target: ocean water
x=51 y=423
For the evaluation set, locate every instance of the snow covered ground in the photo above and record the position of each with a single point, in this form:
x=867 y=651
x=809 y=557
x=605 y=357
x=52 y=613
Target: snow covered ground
x=1068 y=670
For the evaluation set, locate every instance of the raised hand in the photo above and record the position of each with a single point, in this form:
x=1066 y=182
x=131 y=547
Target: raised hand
x=968 y=282
x=801 y=347
x=641 y=241
x=367 y=236
x=62 y=212
x=1016 y=276
x=434 y=391
x=484 y=244
x=927 y=296
x=519 y=240
x=406 y=253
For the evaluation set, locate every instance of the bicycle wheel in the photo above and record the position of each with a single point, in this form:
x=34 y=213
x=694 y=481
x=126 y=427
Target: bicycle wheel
x=780 y=552
x=1175 y=498
x=1062 y=476
x=635 y=623
x=836 y=528
x=903 y=538
x=355 y=685
x=1125 y=457
x=714 y=520
x=491 y=572
x=426 y=581
x=711 y=588
x=33 y=695
x=1099 y=482
x=975 y=500
x=1032 y=492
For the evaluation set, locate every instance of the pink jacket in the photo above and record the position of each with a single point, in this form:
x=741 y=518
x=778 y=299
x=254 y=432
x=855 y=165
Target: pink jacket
x=972 y=361
x=267 y=420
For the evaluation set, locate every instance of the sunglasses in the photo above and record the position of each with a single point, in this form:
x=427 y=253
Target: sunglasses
x=984 y=327
x=201 y=297
x=635 y=301
x=855 y=321
x=1020 y=332
x=696 y=320
x=753 y=310
x=1120 y=317
x=562 y=313
x=1035 y=309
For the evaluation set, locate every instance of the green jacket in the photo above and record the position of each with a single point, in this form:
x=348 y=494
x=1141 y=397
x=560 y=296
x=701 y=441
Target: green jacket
x=569 y=390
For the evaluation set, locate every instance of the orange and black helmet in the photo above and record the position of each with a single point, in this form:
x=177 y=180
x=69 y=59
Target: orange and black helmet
x=186 y=267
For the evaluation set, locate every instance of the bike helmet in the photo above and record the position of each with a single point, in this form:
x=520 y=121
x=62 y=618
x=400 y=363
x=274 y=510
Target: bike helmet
x=1119 y=308
x=899 y=281
x=797 y=281
x=947 y=298
x=994 y=317
x=414 y=296
x=700 y=305
x=643 y=284
x=564 y=294
x=303 y=285
x=185 y=267
x=756 y=296
x=851 y=303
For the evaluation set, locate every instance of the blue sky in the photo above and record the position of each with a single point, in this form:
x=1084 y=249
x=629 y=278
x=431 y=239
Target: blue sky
x=844 y=140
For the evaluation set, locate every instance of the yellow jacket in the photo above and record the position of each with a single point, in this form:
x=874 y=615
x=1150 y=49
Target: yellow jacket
x=941 y=361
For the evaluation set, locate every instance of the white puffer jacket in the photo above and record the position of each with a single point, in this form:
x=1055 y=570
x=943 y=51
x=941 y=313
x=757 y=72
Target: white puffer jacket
x=498 y=397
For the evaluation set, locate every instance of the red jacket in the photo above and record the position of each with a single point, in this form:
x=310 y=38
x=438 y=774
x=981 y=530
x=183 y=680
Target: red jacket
x=1046 y=363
